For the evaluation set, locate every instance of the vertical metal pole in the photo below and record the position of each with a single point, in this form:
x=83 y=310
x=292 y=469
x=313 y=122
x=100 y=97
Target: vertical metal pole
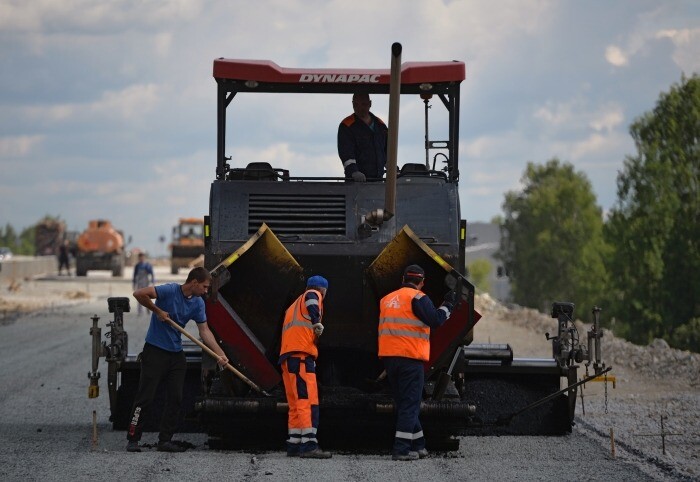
x=393 y=135
x=454 y=134
x=663 y=436
x=427 y=137
x=220 y=131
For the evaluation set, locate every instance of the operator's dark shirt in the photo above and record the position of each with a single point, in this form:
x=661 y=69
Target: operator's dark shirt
x=364 y=145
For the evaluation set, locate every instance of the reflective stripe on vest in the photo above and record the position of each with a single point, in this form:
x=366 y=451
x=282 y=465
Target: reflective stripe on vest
x=297 y=330
x=401 y=332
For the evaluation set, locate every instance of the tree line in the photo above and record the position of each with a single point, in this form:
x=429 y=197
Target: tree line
x=19 y=242
x=641 y=262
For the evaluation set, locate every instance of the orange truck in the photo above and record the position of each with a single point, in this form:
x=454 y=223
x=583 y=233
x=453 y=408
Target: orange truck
x=188 y=244
x=100 y=247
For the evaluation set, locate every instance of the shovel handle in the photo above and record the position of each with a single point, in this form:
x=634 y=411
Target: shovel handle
x=228 y=366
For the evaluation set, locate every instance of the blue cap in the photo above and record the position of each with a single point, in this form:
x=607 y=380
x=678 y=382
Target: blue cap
x=318 y=281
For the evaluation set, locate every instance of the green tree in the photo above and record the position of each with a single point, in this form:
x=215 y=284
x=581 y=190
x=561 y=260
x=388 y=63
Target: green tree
x=654 y=227
x=8 y=237
x=479 y=270
x=552 y=243
x=18 y=244
x=26 y=241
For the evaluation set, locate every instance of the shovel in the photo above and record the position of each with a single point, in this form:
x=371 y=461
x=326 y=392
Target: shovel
x=213 y=354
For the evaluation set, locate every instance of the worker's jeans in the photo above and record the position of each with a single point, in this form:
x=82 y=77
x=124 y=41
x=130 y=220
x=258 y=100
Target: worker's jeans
x=156 y=365
x=406 y=378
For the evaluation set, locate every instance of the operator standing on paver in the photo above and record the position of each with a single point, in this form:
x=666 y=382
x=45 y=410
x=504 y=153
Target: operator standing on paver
x=362 y=140
x=300 y=332
x=405 y=319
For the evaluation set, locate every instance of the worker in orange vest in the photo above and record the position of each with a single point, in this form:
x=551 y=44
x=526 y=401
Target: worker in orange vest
x=405 y=319
x=300 y=333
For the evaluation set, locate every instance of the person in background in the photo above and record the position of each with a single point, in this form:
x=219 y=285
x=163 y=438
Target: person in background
x=405 y=319
x=143 y=276
x=63 y=258
x=362 y=141
x=163 y=359
x=301 y=330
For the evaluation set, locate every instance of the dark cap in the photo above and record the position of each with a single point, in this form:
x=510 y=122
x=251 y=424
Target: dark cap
x=414 y=271
x=317 y=281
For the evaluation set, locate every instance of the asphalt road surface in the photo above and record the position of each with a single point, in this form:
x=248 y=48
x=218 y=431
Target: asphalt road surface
x=46 y=419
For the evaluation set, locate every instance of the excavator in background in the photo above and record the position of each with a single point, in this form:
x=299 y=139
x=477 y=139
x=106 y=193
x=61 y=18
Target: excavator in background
x=187 y=247
x=100 y=247
x=268 y=230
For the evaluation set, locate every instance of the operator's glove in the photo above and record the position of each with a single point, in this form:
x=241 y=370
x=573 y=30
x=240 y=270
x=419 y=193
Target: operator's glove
x=357 y=176
x=318 y=329
x=450 y=300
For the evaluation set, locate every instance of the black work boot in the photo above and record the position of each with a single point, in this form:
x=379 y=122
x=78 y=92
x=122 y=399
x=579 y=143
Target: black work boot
x=316 y=453
x=405 y=457
x=133 y=446
x=169 y=446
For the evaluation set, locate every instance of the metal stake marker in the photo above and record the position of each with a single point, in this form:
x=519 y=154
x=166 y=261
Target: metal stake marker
x=663 y=435
x=94 y=429
x=612 y=442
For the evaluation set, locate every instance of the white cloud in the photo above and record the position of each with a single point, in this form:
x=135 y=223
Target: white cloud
x=615 y=56
x=163 y=43
x=687 y=47
x=128 y=104
x=608 y=118
x=593 y=148
x=555 y=114
x=18 y=146
x=579 y=113
x=81 y=16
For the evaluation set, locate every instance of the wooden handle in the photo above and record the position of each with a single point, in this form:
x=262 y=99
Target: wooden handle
x=213 y=354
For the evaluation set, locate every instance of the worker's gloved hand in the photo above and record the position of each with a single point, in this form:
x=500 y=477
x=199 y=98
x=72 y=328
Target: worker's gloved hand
x=450 y=299
x=357 y=176
x=318 y=329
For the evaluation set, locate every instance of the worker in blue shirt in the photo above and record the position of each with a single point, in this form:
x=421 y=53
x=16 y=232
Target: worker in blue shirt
x=362 y=140
x=163 y=358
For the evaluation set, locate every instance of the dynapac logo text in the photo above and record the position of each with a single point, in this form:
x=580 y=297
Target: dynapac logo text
x=340 y=78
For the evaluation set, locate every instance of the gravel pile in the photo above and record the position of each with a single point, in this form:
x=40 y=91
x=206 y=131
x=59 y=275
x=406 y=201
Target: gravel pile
x=653 y=381
x=657 y=361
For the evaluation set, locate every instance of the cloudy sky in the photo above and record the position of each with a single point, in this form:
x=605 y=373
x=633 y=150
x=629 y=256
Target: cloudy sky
x=107 y=108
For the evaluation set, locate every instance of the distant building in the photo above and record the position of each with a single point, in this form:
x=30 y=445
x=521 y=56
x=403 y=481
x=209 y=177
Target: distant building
x=483 y=241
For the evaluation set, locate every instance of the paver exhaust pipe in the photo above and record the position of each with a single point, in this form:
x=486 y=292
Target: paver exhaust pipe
x=378 y=216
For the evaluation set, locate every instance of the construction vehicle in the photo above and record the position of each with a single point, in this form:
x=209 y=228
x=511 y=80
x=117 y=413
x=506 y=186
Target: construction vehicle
x=187 y=245
x=49 y=234
x=267 y=231
x=100 y=247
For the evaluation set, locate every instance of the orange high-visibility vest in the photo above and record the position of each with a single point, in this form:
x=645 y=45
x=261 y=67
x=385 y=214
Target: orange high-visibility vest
x=297 y=331
x=402 y=333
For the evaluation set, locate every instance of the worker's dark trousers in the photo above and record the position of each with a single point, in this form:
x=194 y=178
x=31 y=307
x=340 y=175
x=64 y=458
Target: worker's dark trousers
x=159 y=365
x=406 y=379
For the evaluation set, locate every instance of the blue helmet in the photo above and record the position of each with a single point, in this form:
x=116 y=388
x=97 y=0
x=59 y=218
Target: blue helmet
x=318 y=281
